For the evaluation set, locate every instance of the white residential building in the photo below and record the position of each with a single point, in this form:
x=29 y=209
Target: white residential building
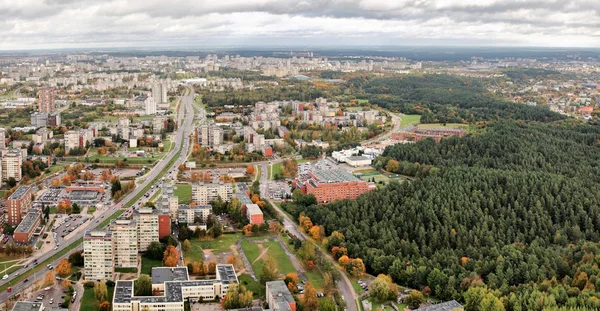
x=2 y=138
x=125 y=238
x=98 y=256
x=187 y=214
x=159 y=93
x=11 y=165
x=204 y=193
x=150 y=105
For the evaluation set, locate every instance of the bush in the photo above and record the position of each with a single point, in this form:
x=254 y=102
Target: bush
x=89 y=284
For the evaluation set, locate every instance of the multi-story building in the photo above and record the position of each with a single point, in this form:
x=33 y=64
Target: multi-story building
x=18 y=203
x=152 y=225
x=11 y=164
x=125 y=237
x=159 y=123
x=187 y=214
x=278 y=297
x=46 y=99
x=78 y=139
x=329 y=185
x=98 y=255
x=150 y=105
x=25 y=230
x=159 y=93
x=42 y=136
x=39 y=119
x=210 y=136
x=169 y=202
x=204 y=193
x=254 y=214
x=2 y=138
x=54 y=119
x=175 y=288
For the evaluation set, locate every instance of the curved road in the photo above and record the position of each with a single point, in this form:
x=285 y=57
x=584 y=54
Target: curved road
x=182 y=147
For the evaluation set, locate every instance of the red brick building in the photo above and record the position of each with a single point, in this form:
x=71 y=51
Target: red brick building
x=26 y=229
x=330 y=185
x=164 y=225
x=18 y=204
x=254 y=214
x=414 y=133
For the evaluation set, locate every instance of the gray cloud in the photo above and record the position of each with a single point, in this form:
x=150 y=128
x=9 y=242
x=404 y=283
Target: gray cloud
x=120 y=22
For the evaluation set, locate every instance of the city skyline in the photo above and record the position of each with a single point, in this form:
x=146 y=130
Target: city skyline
x=84 y=24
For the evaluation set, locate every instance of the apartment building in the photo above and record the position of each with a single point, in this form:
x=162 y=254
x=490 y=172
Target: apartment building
x=152 y=225
x=46 y=99
x=18 y=203
x=159 y=123
x=175 y=288
x=169 y=203
x=11 y=165
x=150 y=106
x=210 y=136
x=2 y=138
x=98 y=255
x=187 y=214
x=159 y=93
x=278 y=297
x=25 y=230
x=204 y=193
x=78 y=139
x=330 y=185
x=125 y=237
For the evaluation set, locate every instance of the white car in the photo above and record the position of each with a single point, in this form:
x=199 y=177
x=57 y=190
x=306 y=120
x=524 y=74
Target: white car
x=5 y=277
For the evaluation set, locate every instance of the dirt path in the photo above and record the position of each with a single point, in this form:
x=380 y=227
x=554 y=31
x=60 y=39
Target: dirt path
x=263 y=252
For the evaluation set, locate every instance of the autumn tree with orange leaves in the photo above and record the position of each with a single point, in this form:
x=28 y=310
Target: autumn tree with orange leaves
x=63 y=269
x=170 y=256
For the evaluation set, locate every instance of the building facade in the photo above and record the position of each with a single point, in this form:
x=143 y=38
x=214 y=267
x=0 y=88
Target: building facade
x=254 y=214
x=152 y=225
x=98 y=256
x=18 y=203
x=279 y=297
x=204 y=193
x=11 y=165
x=46 y=99
x=25 y=230
x=124 y=232
x=330 y=185
x=187 y=214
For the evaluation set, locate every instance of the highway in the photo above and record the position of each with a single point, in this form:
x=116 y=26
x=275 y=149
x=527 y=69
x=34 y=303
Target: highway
x=182 y=146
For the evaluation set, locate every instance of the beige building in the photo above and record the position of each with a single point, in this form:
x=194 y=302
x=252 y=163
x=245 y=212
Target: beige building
x=71 y=140
x=204 y=193
x=125 y=237
x=210 y=136
x=187 y=214
x=158 y=124
x=152 y=225
x=46 y=100
x=11 y=165
x=2 y=138
x=98 y=256
x=175 y=288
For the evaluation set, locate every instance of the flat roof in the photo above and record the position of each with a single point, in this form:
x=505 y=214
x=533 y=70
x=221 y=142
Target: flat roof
x=226 y=274
x=18 y=194
x=358 y=158
x=334 y=175
x=28 y=221
x=253 y=209
x=280 y=294
x=443 y=306
x=97 y=234
x=167 y=274
x=27 y=306
x=243 y=198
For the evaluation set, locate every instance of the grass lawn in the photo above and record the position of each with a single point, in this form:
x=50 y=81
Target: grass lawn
x=184 y=193
x=303 y=161
x=255 y=287
x=409 y=119
x=386 y=304
x=53 y=210
x=316 y=278
x=378 y=178
x=126 y=270
x=269 y=171
x=55 y=168
x=155 y=196
x=112 y=160
x=277 y=169
x=440 y=125
x=9 y=258
x=258 y=168
x=91 y=210
x=367 y=171
x=148 y=264
x=89 y=301
x=39 y=244
x=274 y=251
x=220 y=245
x=355 y=285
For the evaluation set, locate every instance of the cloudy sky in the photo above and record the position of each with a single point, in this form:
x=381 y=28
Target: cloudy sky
x=40 y=24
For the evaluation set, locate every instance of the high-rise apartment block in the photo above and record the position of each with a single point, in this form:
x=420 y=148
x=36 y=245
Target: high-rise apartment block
x=204 y=193
x=159 y=93
x=159 y=123
x=98 y=256
x=210 y=136
x=11 y=164
x=2 y=138
x=150 y=105
x=125 y=237
x=152 y=225
x=46 y=99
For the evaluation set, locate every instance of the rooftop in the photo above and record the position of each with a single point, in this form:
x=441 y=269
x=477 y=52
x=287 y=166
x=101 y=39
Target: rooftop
x=27 y=306
x=334 y=176
x=253 y=209
x=280 y=294
x=97 y=234
x=443 y=306
x=167 y=274
x=28 y=221
x=226 y=274
x=243 y=198
x=357 y=158
x=18 y=194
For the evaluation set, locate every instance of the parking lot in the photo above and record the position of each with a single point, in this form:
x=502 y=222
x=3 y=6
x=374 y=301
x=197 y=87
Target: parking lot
x=51 y=296
x=279 y=189
x=63 y=226
x=52 y=195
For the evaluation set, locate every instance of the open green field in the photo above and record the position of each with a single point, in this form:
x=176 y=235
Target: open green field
x=113 y=160
x=440 y=125
x=220 y=245
x=126 y=270
x=303 y=161
x=89 y=301
x=55 y=168
x=252 y=285
x=256 y=255
x=184 y=193
x=277 y=169
x=410 y=119
x=366 y=171
x=148 y=264
x=258 y=172
x=269 y=169
x=378 y=178
x=155 y=196
x=91 y=210
x=4 y=259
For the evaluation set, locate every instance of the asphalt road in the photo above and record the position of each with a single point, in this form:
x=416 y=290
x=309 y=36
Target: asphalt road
x=185 y=130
